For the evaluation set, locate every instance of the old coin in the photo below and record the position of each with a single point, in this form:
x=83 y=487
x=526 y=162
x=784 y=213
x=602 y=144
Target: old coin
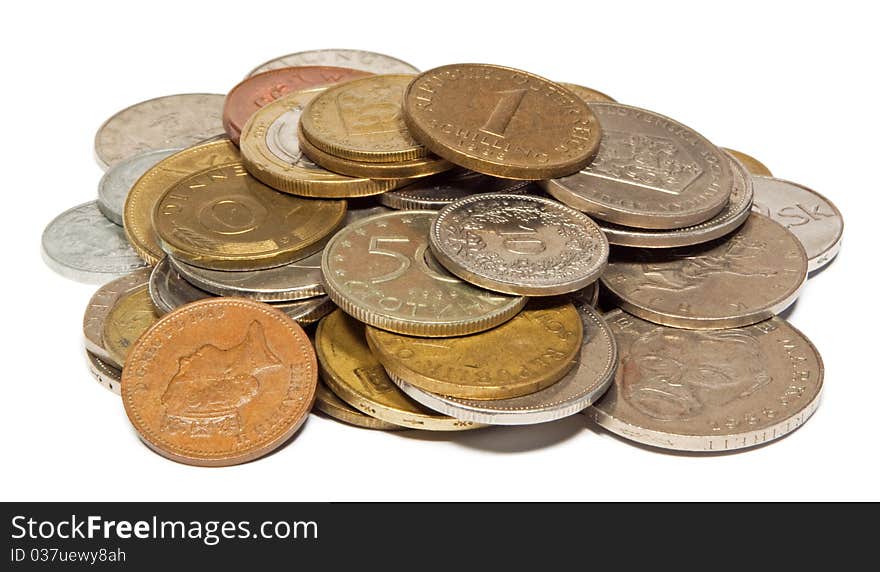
x=729 y=219
x=588 y=94
x=118 y=180
x=224 y=219
x=582 y=385
x=812 y=218
x=131 y=315
x=526 y=354
x=161 y=123
x=380 y=271
x=220 y=382
x=355 y=59
x=270 y=149
x=147 y=191
x=435 y=192
x=741 y=279
x=751 y=164
x=106 y=374
x=524 y=245
x=352 y=371
x=650 y=172
x=501 y=121
x=709 y=390
x=100 y=305
x=330 y=405
x=81 y=244
x=261 y=89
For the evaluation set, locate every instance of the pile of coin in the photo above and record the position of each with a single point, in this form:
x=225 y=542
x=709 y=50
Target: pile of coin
x=444 y=238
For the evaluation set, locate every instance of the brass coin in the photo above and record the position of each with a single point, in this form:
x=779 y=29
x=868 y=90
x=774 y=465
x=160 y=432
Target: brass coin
x=751 y=164
x=100 y=305
x=501 y=121
x=588 y=94
x=735 y=281
x=224 y=219
x=330 y=405
x=352 y=371
x=532 y=351
x=146 y=192
x=362 y=120
x=131 y=315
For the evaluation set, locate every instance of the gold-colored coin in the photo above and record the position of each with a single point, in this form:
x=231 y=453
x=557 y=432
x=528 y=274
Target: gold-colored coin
x=532 y=351
x=751 y=164
x=351 y=370
x=131 y=316
x=224 y=219
x=330 y=405
x=271 y=152
x=143 y=196
x=588 y=94
x=362 y=120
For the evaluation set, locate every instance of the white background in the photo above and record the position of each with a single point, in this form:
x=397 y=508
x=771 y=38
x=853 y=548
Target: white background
x=794 y=85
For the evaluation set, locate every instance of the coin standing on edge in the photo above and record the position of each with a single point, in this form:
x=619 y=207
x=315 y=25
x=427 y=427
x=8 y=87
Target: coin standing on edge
x=220 y=382
x=437 y=191
x=355 y=59
x=330 y=405
x=108 y=375
x=100 y=305
x=117 y=181
x=709 y=391
x=131 y=315
x=751 y=164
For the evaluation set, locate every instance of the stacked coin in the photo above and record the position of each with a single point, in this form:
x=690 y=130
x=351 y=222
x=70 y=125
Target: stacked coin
x=405 y=215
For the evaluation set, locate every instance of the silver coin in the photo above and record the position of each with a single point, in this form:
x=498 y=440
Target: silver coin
x=107 y=375
x=436 y=192
x=515 y=244
x=812 y=218
x=100 y=305
x=353 y=59
x=83 y=245
x=590 y=377
x=116 y=182
x=171 y=121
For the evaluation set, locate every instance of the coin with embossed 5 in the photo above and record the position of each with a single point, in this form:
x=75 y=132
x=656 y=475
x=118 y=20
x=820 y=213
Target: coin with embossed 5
x=709 y=391
x=131 y=315
x=753 y=166
x=356 y=59
x=220 y=382
x=117 y=181
x=524 y=245
x=437 y=191
x=351 y=370
x=105 y=373
x=532 y=351
x=100 y=305
x=812 y=218
x=588 y=94
x=650 y=172
x=501 y=121
x=741 y=279
x=330 y=405
x=380 y=270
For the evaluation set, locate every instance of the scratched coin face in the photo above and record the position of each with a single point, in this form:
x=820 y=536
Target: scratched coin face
x=118 y=180
x=743 y=278
x=131 y=315
x=650 y=172
x=172 y=121
x=709 y=391
x=380 y=271
x=519 y=244
x=220 y=382
x=812 y=218
x=355 y=59
x=434 y=193
x=100 y=305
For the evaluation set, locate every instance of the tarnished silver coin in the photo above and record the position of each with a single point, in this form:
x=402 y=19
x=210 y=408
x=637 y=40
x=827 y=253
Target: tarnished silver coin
x=105 y=373
x=171 y=121
x=523 y=245
x=591 y=375
x=812 y=218
x=83 y=245
x=437 y=191
x=342 y=58
x=650 y=172
x=100 y=305
x=116 y=182
x=709 y=391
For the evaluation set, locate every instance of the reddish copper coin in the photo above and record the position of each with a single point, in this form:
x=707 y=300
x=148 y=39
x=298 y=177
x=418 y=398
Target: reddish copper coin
x=258 y=90
x=219 y=382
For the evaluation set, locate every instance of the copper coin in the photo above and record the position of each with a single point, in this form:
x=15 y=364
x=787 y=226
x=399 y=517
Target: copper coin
x=262 y=89
x=220 y=382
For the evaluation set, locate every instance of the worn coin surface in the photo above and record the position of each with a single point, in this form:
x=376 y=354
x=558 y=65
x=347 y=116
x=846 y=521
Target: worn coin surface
x=330 y=405
x=751 y=164
x=501 y=121
x=171 y=121
x=533 y=350
x=524 y=245
x=380 y=271
x=709 y=390
x=220 y=382
x=588 y=94
x=582 y=385
x=117 y=181
x=261 y=89
x=100 y=305
x=81 y=244
x=650 y=172
x=812 y=218
x=225 y=219
x=355 y=59
x=437 y=191
x=147 y=191
x=106 y=374
x=131 y=315
x=350 y=369
x=737 y=280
